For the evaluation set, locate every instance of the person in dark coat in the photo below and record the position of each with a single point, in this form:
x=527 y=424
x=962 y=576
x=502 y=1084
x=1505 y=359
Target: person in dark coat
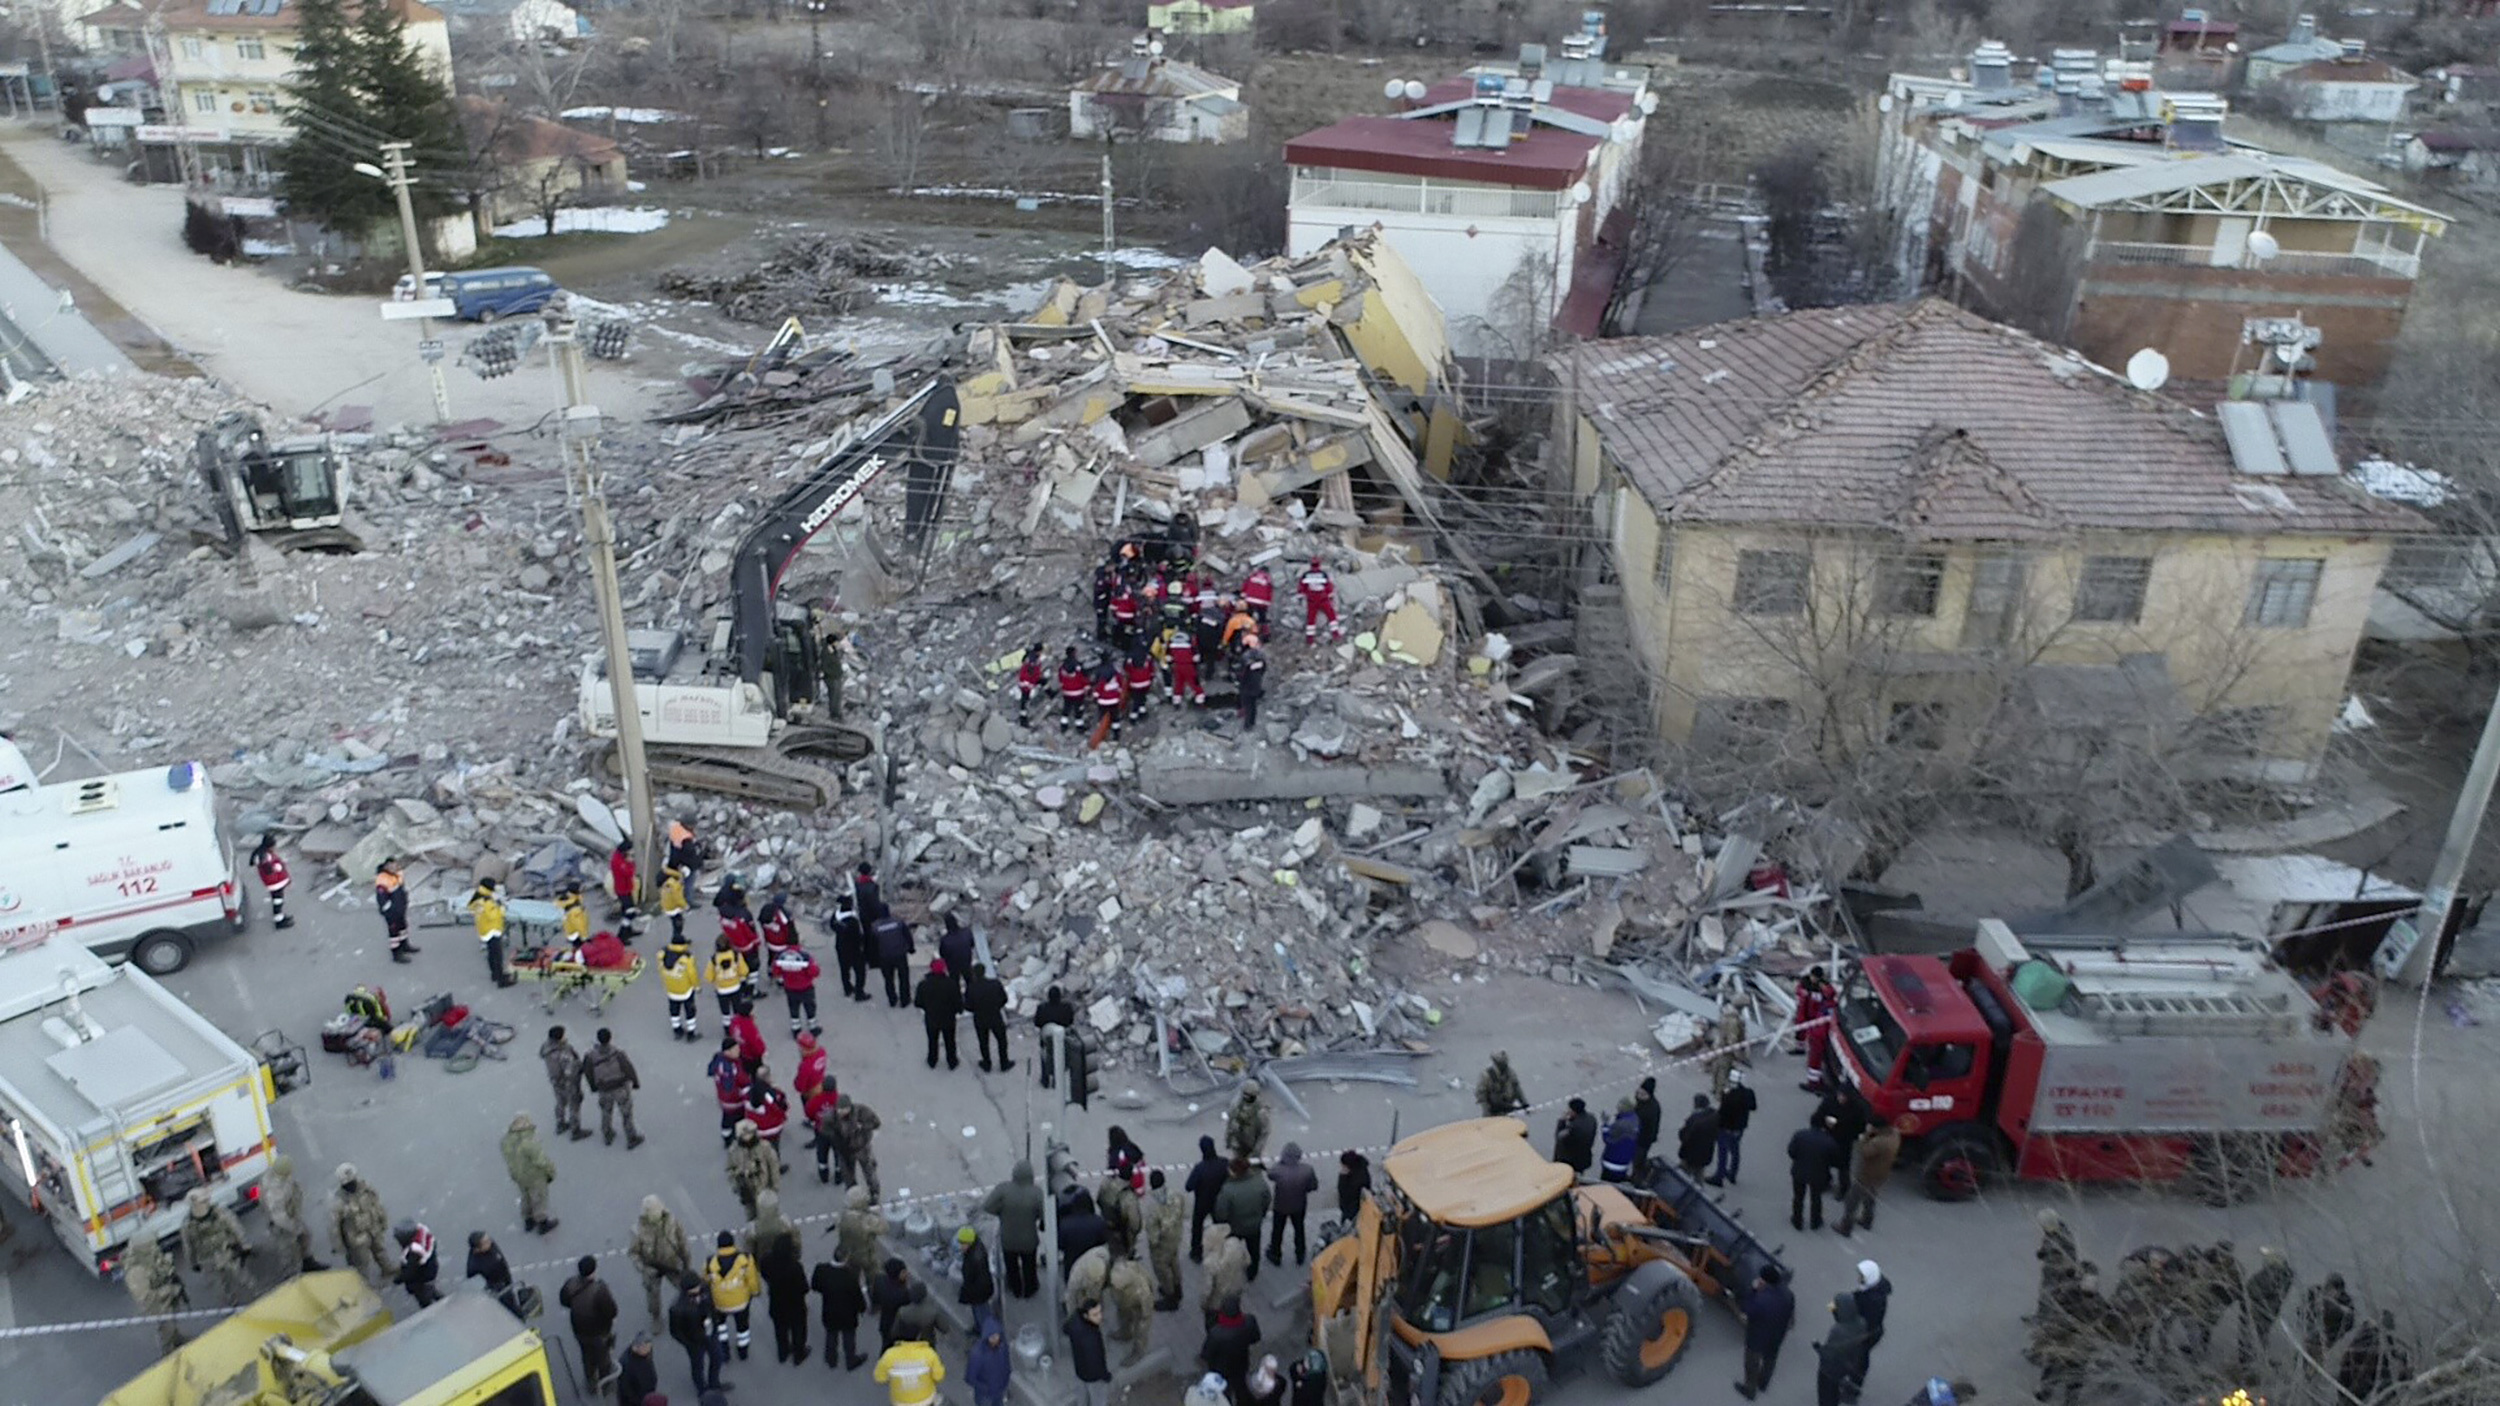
x=1811 y=1155
x=785 y=1285
x=637 y=1376
x=1840 y=1359
x=1652 y=1118
x=1086 y=1357
x=1698 y=1138
x=889 y=941
x=1055 y=1009
x=989 y=1365
x=986 y=998
x=980 y=1281
x=1205 y=1183
x=593 y=1312
x=889 y=1296
x=1226 y=1351
x=843 y=1300
x=1736 y=1108
x=690 y=1327
x=1874 y=1298
x=1770 y=1309
x=1845 y=1114
x=2374 y=1360
x=1575 y=1138
x=1081 y=1228
x=1294 y=1181
x=954 y=947
x=939 y=1006
x=1354 y=1177
x=853 y=954
x=487 y=1264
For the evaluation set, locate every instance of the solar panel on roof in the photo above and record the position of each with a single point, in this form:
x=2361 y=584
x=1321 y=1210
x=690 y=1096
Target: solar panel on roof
x=1470 y=127
x=225 y=7
x=2250 y=434
x=1497 y=125
x=2304 y=438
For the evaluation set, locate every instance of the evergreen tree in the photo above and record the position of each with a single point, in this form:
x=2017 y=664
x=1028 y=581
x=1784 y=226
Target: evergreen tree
x=356 y=75
x=405 y=98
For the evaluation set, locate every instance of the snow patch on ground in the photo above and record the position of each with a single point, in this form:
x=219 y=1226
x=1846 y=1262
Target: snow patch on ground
x=624 y=114
x=600 y=219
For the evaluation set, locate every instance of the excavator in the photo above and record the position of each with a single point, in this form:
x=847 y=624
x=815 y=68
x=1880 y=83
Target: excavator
x=291 y=492
x=748 y=713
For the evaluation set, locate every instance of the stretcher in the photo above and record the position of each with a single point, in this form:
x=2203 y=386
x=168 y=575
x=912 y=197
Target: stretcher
x=564 y=974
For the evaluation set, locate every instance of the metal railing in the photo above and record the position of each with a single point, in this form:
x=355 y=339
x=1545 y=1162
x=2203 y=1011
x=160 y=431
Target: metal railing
x=1427 y=198
x=2360 y=263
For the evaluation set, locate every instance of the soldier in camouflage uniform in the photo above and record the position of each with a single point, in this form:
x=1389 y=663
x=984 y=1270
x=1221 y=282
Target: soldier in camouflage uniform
x=659 y=1251
x=361 y=1227
x=212 y=1240
x=1727 y=1046
x=2058 y=1261
x=1245 y=1128
x=1167 y=1224
x=148 y=1273
x=753 y=1165
x=860 y=1231
x=1132 y=1291
x=531 y=1170
x=2261 y=1304
x=2072 y=1328
x=1123 y=1218
x=858 y=1124
x=1088 y=1276
x=283 y=1197
x=564 y=1076
x=1228 y=1270
x=1497 y=1090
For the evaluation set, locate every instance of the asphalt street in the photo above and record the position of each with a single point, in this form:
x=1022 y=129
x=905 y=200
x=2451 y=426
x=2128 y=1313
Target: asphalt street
x=427 y=1139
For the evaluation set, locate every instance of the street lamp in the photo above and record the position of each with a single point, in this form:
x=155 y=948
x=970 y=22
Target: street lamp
x=816 y=63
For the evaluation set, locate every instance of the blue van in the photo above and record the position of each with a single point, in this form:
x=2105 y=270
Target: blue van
x=482 y=295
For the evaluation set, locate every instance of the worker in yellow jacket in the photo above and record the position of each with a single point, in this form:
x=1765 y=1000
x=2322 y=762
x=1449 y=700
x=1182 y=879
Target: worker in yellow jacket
x=576 y=918
x=911 y=1372
x=729 y=980
x=673 y=900
x=734 y=1282
x=487 y=905
x=680 y=978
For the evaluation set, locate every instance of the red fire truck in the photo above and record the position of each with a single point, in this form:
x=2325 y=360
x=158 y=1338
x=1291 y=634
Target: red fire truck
x=2092 y=1059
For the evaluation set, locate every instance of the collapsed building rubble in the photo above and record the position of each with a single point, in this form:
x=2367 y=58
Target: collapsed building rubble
x=1219 y=904
x=820 y=274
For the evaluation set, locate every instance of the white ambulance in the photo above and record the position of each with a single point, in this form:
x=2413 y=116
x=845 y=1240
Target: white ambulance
x=131 y=865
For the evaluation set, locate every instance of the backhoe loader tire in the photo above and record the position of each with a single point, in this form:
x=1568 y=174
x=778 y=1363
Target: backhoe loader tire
x=1650 y=1327
x=1504 y=1379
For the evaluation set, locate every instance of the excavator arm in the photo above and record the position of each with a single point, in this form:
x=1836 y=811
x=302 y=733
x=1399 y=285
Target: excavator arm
x=924 y=432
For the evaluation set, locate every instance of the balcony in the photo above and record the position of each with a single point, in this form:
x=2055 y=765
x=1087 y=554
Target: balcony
x=2365 y=261
x=1426 y=197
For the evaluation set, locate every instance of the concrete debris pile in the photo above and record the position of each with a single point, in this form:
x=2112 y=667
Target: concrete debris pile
x=817 y=275
x=332 y=695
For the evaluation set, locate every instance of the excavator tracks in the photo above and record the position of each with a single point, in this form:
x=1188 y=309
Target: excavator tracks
x=781 y=774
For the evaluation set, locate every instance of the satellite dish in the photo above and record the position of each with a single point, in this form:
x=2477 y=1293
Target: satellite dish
x=1580 y=193
x=1155 y=48
x=1884 y=103
x=1649 y=103
x=2262 y=246
x=1392 y=90
x=1415 y=90
x=2148 y=370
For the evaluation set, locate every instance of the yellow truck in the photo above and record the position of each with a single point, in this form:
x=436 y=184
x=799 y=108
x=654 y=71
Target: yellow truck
x=326 y=1340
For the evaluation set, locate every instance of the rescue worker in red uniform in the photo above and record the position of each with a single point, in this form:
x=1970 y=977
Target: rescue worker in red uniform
x=767 y=1108
x=1074 y=685
x=729 y=1086
x=1258 y=596
x=1110 y=701
x=814 y=1064
x=1182 y=653
x=1124 y=610
x=274 y=878
x=1138 y=680
x=1319 y=602
x=797 y=971
x=621 y=878
x=747 y=940
x=781 y=932
x=1029 y=680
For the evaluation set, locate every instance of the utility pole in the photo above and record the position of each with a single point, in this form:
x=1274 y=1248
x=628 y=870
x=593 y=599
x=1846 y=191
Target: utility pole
x=2465 y=823
x=1106 y=212
x=816 y=63
x=395 y=164
x=581 y=468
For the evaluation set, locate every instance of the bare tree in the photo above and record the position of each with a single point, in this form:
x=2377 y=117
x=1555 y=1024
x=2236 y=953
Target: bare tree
x=904 y=139
x=1667 y=212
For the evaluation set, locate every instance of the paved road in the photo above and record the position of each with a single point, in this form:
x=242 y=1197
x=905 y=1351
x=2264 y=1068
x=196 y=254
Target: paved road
x=295 y=351
x=428 y=1141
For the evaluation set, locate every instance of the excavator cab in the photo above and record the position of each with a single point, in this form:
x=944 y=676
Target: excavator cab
x=292 y=491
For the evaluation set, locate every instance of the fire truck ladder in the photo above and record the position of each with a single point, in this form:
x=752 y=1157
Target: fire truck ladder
x=2189 y=1013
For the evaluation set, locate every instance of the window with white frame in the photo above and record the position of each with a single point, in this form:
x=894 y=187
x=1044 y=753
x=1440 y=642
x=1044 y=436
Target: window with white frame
x=250 y=49
x=203 y=102
x=2285 y=589
x=1772 y=583
x=2111 y=590
x=193 y=48
x=1908 y=585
